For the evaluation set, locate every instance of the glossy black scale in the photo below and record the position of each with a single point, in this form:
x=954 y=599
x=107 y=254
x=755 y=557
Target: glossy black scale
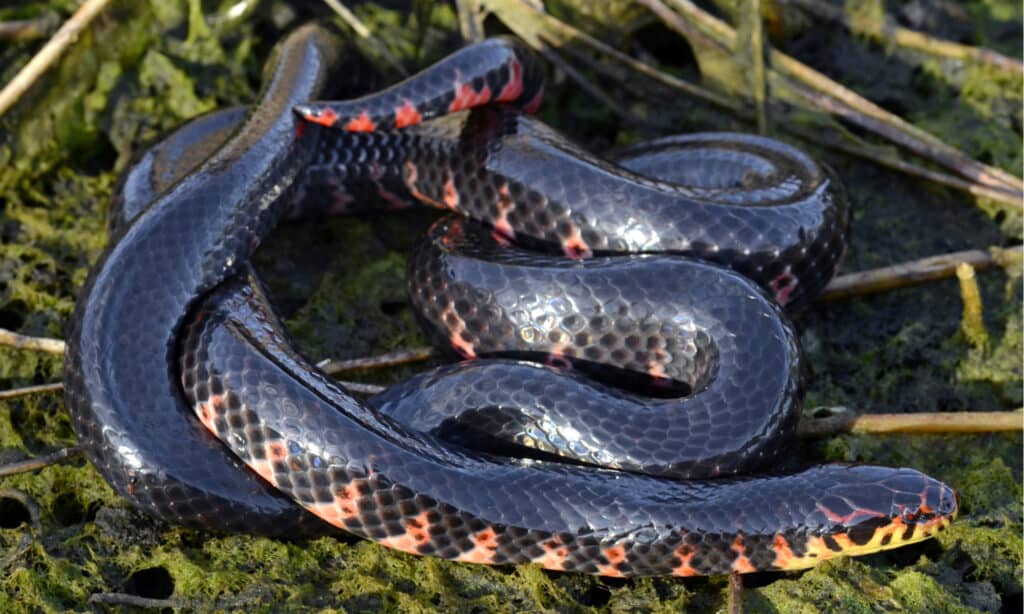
x=171 y=314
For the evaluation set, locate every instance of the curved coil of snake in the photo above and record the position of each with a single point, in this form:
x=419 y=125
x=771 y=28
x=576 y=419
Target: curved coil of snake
x=665 y=269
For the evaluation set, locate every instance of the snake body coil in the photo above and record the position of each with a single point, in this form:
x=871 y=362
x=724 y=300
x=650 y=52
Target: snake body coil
x=171 y=316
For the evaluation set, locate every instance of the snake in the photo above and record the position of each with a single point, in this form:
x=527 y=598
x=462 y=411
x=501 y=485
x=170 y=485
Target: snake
x=561 y=275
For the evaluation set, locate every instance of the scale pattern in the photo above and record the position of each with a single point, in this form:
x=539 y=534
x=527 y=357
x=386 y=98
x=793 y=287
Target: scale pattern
x=663 y=318
x=172 y=316
x=120 y=371
x=766 y=210
x=497 y=70
x=376 y=478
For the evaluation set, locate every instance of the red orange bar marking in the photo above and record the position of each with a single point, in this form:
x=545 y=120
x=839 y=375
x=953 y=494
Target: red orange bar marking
x=407 y=115
x=362 y=123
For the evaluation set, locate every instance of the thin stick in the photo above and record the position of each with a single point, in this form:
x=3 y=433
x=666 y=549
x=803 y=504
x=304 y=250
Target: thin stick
x=352 y=386
x=20 y=392
x=735 y=601
x=360 y=388
x=132 y=600
x=902 y=133
x=918 y=423
x=391 y=359
x=852 y=284
x=37 y=344
x=50 y=53
x=912 y=273
x=35 y=464
x=363 y=32
x=875 y=154
x=958 y=422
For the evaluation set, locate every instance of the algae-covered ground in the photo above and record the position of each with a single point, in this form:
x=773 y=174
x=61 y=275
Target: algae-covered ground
x=144 y=67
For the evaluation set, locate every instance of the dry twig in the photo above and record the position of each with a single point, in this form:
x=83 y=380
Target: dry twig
x=918 y=423
x=20 y=392
x=36 y=344
x=391 y=359
x=912 y=273
x=735 y=601
x=361 y=388
x=879 y=155
x=51 y=51
x=132 y=600
x=35 y=464
x=845 y=286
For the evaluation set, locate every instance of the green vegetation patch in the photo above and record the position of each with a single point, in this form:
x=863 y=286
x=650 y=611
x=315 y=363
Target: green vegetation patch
x=145 y=67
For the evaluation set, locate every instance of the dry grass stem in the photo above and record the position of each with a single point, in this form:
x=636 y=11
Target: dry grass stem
x=909 y=273
x=34 y=464
x=361 y=388
x=135 y=601
x=24 y=342
x=391 y=359
x=50 y=53
x=915 y=423
x=27 y=390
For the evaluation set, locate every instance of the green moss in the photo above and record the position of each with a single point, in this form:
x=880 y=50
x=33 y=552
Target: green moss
x=842 y=586
x=355 y=297
x=146 y=67
x=918 y=591
x=1000 y=366
x=867 y=17
x=988 y=15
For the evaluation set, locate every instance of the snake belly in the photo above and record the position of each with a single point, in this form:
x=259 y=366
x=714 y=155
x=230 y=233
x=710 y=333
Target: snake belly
x=192 y=298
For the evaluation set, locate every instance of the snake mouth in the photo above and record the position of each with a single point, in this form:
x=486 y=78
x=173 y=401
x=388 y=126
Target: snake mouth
x=855 y=521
